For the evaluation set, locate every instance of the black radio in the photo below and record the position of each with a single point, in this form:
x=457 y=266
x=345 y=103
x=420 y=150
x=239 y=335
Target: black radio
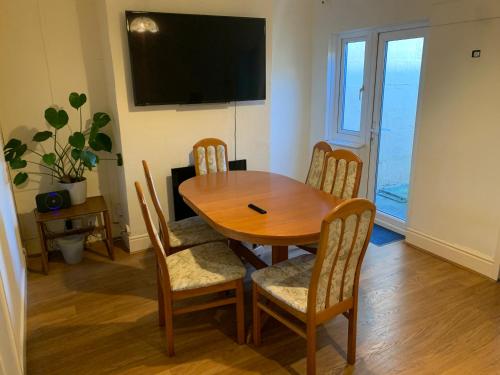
x=52 y=201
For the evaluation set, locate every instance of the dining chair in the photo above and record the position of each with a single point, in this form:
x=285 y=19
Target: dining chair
x=177 y=235
x=210 y=156
x=210 y=268
x=342 y=174
x=180 y=234
x=317 y=164
x=316 y=288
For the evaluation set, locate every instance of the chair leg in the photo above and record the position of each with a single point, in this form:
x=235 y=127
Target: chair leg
x=351 y=339
x=240 y=312
x=256 y=323
x=161 y=302
x=169 y=327
x=311 y=348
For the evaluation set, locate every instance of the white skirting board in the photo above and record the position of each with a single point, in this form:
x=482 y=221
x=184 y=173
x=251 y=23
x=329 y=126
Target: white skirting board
x=467 y=258
x=136 y=243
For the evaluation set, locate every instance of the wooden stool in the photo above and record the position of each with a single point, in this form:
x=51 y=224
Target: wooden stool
x=93 y=206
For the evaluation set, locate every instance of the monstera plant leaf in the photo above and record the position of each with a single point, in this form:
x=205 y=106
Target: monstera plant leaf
x=14 y=149
x=101 y=119
x=77 y=100
x=18 y=163
x=20 y=178
x=55 y=118
x=42 y=136
x=101 y=142
x=77 y=140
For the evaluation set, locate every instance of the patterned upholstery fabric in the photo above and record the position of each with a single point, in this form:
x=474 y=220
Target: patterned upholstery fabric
x=337 y=173
x=191 y=231
x=202 y=164
x=288 y=281
x=337 y=257
x=216 y=158
x=221 y=159
x=316 y=171
x=212 y=159
x=204 y=265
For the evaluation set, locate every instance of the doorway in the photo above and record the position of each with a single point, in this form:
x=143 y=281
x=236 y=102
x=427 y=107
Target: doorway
x=395 y=103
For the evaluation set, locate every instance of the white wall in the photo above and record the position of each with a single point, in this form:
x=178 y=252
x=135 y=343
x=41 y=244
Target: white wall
x=291 y=78
x=49 y=49
x=454 y=208
x=164 y=135
x=12 y=281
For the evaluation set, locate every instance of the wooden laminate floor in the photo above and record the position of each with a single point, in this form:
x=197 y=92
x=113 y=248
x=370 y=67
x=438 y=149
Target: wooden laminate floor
x=418 y=315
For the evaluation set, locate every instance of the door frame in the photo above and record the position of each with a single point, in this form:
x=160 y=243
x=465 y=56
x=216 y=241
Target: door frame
x=373 y=133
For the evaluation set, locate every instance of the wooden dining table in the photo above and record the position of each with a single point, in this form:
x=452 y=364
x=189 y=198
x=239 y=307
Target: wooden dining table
x=294 y=210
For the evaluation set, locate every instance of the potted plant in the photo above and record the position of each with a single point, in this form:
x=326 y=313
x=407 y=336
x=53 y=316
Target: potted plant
x=69 y=158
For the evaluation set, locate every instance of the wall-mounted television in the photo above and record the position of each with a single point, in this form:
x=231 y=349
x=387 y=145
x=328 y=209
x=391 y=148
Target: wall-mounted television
x=187 y=59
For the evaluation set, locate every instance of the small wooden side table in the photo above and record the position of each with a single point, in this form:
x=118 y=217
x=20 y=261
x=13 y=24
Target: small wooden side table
x=93 y=206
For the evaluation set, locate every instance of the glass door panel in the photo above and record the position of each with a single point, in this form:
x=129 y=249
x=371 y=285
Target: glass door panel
x=398 y=98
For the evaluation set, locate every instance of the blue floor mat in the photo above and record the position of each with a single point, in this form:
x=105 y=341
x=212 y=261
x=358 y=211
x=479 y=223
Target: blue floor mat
x=382 y=236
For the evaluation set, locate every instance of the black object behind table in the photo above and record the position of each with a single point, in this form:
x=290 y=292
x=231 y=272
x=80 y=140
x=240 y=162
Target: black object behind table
x=181 y=209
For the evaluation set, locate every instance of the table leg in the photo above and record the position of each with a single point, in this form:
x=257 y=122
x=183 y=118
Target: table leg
x=280 y=253
x=109 y=235
x=247 y=254
x=43 y=242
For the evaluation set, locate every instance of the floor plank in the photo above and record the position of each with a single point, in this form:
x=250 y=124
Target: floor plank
x=418 y=315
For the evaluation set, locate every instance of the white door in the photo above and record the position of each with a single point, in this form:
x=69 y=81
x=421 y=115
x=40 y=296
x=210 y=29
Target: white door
x=395 y=103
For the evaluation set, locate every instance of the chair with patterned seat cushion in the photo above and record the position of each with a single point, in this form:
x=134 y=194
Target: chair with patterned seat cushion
x=210 y=156
x=342 y=174
x=183 y=233
x=315 y=173
x=341 y=178
x=206 y=269
x=314 y=289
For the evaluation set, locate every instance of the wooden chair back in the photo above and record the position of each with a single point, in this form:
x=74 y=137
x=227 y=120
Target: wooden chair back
x=210 y=156
x=317 y=164
x=345 y=234
x=342 y=174
x=160 y=253
x=159 y=211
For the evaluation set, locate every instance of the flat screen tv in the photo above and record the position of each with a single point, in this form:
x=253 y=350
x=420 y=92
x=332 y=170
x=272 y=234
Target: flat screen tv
x=187 y=59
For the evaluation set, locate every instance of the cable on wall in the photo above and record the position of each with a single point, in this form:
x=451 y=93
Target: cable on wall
x=235 y=130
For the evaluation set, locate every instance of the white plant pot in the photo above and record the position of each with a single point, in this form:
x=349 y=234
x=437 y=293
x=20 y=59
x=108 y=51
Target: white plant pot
x=71 y=248
x=77 y=191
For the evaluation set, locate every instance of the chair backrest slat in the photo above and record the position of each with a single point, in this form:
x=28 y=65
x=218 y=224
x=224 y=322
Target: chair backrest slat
x=210 y=156
x=342 y=174
x=345 y=234
x=315 y=174
x=161 y=256
x=159 y=211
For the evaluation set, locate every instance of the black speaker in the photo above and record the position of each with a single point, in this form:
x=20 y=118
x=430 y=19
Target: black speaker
x=181 y=209
x=55 y=200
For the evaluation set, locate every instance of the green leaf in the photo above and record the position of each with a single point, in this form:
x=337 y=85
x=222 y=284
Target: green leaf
x=89 y=159
x=56 y=118
x=20 y=178
x=101 y=119
x=77 y=100
x=119 y=159
x=101 y=142
x=21 y=150
x=75 y=153
x=18 y=163
x=14 y=149
x=94 y=129
x=12 y=144
x=42 y=136
x=49 y=159
x=77 y=140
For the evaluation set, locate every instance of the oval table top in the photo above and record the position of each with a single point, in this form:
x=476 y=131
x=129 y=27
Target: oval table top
x=294 y=210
